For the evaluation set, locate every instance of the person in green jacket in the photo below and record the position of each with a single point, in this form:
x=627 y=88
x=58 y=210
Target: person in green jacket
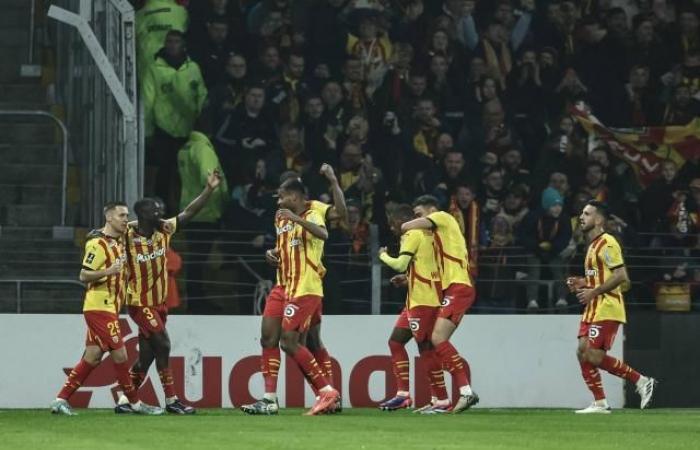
x=173 y=97
x=196 y=160
x=153 y=21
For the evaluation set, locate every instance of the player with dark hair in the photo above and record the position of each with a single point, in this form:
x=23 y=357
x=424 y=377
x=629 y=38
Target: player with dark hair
x=458 y=291
x=418 y=259
x=146 y=245
x=103 y=273
x=600 y=290
x=302 y=272
x=271 y=326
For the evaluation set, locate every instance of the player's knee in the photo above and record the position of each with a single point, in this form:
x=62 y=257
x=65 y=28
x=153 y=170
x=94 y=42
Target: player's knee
x=119 y=356
x=289 y=343
x=594 y=357
x=268 y=341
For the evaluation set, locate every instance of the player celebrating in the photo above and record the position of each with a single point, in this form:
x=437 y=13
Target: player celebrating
x=146 y=244
x=601 y=291
x=300 y=257
x=271 y=327
x=458 y=294
x=102 y=271
x=417 y=255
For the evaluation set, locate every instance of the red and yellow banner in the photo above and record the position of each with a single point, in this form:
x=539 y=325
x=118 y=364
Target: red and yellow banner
x=645 y=149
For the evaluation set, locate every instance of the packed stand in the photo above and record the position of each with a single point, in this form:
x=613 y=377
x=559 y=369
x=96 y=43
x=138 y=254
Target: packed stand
x=470 y=101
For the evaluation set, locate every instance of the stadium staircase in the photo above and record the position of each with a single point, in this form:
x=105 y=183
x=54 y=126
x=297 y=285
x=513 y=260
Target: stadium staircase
x=30 y=185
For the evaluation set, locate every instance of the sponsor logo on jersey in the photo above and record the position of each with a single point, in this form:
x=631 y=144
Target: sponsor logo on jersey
x=591 y=272
x=149 y=256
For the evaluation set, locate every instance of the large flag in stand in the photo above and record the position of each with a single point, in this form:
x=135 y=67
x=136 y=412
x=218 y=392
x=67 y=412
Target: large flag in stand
x=644 y=149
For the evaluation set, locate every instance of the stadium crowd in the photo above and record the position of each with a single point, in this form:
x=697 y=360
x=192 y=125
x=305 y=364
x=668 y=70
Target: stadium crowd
x=470 y=101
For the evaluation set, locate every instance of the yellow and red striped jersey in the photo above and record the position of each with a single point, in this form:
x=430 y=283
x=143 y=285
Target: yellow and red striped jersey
x=107 y=293
x=424 y=288
x=603 y=256
x=300 y=259
x=283 y=227
x=146 y=257
x=451 y=248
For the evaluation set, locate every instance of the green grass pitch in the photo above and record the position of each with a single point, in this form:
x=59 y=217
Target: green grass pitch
x=354 y=429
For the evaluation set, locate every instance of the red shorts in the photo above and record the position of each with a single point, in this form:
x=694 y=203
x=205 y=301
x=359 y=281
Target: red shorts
x=456 y=301
x=274 y=303
x=402 y=320
x=150 y=319
x=299 y=312
x=316 y=317
x=421 y=321
x=601 y=335
x=103 y=330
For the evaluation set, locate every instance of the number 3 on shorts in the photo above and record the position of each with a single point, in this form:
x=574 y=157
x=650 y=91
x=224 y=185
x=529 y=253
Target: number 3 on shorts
x=148 y=313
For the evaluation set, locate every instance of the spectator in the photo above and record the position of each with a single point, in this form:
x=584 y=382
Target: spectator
x=153 y=22
x=512 y=162
x=493 y=192
x=212 y=53
x=372 y=48
x=287 y=93
x=196 y=160
x=681 y=108
x=230 y=91
x=452 y=172
x=515 y=207
x=358 y=177
x=638 y=106
x=355 y=86
x=546 y=233
x=657 y=198
x=464 y=207
x=173 y=96
x=268 y=67
x=595 y=182
x=246 y=136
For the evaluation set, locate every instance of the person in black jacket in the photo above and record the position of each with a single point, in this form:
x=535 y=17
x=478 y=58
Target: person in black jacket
x=546 y=233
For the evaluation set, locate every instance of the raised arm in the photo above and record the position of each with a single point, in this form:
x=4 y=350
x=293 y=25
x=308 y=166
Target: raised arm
x=196 y=205
x=339 y=210
x=420 y=223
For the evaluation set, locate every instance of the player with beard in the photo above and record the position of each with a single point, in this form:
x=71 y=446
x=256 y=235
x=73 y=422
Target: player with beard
x=600 y=290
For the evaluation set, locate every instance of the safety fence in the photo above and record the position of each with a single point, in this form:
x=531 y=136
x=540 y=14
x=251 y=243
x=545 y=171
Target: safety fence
x=225 y=272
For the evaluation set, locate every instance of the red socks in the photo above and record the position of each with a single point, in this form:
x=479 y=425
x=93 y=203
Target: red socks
x=591 y=375
x=124 y=380
x=270 y=363
x=166 y=380
x=137 y=377
x=308 y=365
x=76 y=378
x=435 y=375
x=450 y=359
x=324 y=360
x=400 y=364
x=619 y=369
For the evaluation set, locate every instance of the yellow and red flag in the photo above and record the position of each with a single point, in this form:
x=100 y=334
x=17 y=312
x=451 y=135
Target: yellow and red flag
x=645 y=149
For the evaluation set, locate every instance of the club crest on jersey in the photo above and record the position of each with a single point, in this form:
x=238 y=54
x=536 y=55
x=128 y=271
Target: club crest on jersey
x=149 y=256
x=591 y=272
x=414 y=324
x=290 y=310
x=295 y=242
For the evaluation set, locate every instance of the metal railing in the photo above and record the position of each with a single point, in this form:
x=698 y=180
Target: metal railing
x=64 y=155
x=96 y=83
x=20 y=282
